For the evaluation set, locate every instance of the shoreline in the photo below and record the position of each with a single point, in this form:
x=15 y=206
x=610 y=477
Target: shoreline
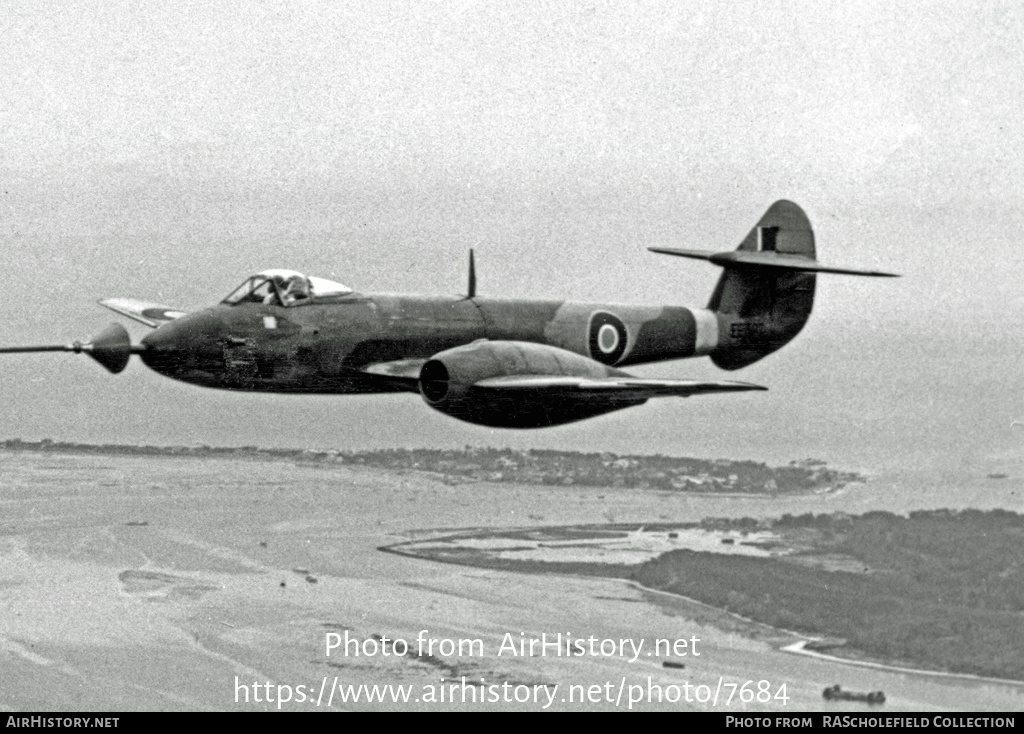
x=658 y=473
x=799 y=647
x=666 y=559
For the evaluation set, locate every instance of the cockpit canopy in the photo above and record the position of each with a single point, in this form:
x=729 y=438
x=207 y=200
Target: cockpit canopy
x=284 y=288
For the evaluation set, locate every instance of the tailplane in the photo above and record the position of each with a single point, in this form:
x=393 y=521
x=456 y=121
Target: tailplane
x=765 y=295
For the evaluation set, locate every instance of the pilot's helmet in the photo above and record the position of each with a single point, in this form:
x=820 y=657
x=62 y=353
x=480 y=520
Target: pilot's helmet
x=298 y=286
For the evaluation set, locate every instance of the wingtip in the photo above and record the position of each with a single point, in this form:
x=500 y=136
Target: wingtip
x=742 y=386
x=874 y=273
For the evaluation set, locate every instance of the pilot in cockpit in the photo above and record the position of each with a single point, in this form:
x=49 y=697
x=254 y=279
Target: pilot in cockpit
x=285 y=288
x=297 y=290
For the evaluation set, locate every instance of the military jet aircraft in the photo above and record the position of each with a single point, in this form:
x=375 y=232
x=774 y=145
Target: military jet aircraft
x=496 y=362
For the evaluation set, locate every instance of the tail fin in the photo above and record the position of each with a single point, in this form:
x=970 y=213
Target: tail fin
x=765 y=309
x=765 y=295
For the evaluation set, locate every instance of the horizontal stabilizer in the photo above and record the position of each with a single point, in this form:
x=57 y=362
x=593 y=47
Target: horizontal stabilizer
x=621 y=386
x=150 y=314
x=775 y=260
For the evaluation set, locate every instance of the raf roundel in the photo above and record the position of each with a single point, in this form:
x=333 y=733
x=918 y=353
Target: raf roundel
x=162 y=314
x=608 y=337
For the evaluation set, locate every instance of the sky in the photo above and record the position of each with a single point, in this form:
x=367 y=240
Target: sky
x=168 y=152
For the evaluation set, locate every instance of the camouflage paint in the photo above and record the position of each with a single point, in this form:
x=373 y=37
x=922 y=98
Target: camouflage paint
x=501 y=362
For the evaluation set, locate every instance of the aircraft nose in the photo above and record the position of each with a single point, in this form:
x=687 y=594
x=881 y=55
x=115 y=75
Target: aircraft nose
x=164 y=348
x=179 y=345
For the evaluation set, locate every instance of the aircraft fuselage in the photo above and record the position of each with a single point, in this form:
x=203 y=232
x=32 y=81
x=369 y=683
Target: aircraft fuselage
x=323 y=347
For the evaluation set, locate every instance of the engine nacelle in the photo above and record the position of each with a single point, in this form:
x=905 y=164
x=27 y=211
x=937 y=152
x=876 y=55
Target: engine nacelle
x=450 y=383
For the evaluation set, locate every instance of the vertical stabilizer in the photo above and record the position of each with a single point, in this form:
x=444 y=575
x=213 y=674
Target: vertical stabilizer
x=765 y=295
x=765 y=307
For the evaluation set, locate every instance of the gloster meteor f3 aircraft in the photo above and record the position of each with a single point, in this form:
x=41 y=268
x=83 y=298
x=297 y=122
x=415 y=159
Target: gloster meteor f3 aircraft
x=496 y=362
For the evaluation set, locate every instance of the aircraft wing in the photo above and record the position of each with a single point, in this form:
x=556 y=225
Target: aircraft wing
x=399 y=369
x=150 y=314
x=581 y=388
x=627 y=388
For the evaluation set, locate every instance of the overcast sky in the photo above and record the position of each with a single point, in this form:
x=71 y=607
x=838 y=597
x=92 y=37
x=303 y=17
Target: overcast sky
x=168 y=151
